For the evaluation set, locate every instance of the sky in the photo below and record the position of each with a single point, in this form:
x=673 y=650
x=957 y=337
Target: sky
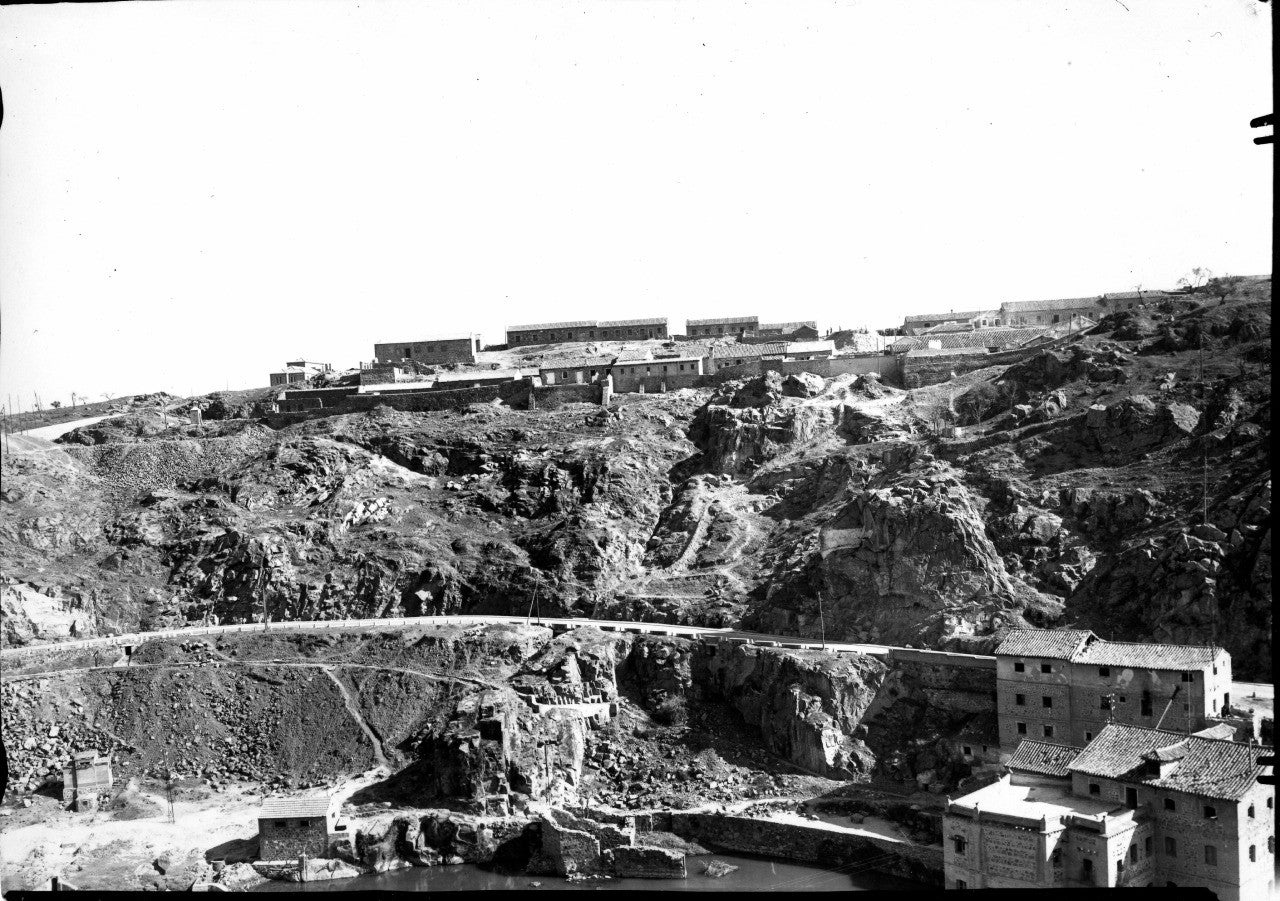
x=193 y=192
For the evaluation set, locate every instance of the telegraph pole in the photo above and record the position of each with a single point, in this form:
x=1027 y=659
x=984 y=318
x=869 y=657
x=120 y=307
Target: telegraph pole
x=822 y=625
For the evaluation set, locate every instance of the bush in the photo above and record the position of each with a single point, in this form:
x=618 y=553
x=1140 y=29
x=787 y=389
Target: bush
x=671 y=712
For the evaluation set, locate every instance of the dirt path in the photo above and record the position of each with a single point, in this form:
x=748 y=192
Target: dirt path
x=356 y=715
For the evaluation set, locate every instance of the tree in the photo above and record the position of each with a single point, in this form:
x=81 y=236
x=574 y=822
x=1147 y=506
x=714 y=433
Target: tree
x=1196 y=280
x=1224 y=287
x=55 y=404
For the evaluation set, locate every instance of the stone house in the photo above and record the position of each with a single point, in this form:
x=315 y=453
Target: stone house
x=297 y=371
x=578 y=370
x=1050 y=312
x=430 y=351
x=1137 y=807
x=735 y=326
x=810 y=350
x=289 y=828
x=723 y=356
x=964 y=320
x=666 y=374
x=84 y=778
x=587 y=330
x=989 y=339
x=784 y=331
x=1067 y=685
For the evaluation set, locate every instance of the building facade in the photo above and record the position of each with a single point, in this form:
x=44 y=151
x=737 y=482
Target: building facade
x=587 y=330
x=580 y=370
x=963 y=320
x=85 y=778
x=785 y=331
x=722 y=356
x=1136 y=807
x=655 y=376
x=1066 y=685
x=289 y=828
x=725 y=326
x=430 y=351
x=298 y=371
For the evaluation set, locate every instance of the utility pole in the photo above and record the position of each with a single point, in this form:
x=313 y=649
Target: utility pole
x=534 y=600
x=822 y=625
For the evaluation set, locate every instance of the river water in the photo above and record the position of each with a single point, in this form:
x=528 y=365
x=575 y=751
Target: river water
x=754 y=874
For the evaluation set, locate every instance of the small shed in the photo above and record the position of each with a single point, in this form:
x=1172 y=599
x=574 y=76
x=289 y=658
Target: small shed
x=289 y=828
x=84 y=778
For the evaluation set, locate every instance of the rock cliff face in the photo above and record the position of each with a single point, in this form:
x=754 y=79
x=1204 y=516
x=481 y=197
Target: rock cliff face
x=743 y=504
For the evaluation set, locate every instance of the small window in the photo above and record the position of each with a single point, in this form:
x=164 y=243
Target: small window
x=1253 y=853
x=1133 y=853
x=961 y=884
x=1088 y=737
x=1169 y=804
x=1188 y=677
x=1095 y=788
x=1047 y=701
x=1170 y=846
x=1020 y=700
x=1269 y=805
x=959 y=844
x=1019 y=667
x=1022 y=728
x=968 y=752
x=1210 y=812
x=1104 y=671
x=1046 y=667
x=1271 y=844
x=1251 y=811
x=1048 y=732
x=1146 y=703
x=1146 y=847
x=1211 y=855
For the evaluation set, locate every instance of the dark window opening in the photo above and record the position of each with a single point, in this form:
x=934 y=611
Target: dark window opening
x=1095 y=788
x=1170 y=846
x=1020 y=700
x=1022 y=728
x=1131 y=798
x=1169 y=804
x=1048 y=732
x=1210 y=812
x=959 y=844
x=1146 y=703
x=1019 y=667
x=1104 y=671
x=1046 y=667
x=1048 y=702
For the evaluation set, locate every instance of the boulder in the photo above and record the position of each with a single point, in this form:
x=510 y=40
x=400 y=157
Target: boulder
x=647 y=862
x=803 y=384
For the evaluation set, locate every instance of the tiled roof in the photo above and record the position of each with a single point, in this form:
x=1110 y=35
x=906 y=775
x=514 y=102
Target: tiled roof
x=1062 y=303
x=1137 y=295
x=1209 y=767
x=661 y=361
x=473 y=375
x=1147 y=656
x=454 y=336
x=724 y=320
x=615 y=323
x=809 y=347
x=735 y=351
x=1042 y=757
x=982 y=338
x=632 y=356
x=282 y=808
x=944 y=317
x=946 y=351
x=786 y=326
x=1220 y=730
x=577 y=363
x=541 y=326
x=1054 y=644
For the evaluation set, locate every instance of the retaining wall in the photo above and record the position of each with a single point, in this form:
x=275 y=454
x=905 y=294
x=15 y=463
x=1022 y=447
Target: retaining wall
x=888 y=367
x=812 y=844
x=549 y=397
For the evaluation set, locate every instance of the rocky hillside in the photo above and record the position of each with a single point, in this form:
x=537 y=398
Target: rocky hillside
x=1117 y=480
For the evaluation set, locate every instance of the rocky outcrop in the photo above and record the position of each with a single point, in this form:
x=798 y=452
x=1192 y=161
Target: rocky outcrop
x=807 y=705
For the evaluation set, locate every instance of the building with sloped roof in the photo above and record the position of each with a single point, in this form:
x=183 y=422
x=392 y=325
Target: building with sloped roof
x=587 y=330
x=296 y=372
x=289 y=828
x=577 y=370
x=1135 y=807
x=722 y=356
x=953 y=320
x=430 y=351
x=1066 y=685
x=721 y=327
x=991 y=339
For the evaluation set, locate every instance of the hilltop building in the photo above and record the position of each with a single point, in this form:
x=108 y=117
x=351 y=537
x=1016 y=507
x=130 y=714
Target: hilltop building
x=723 y=356
x=785 y=331
x=726 y=326
x=1050 y=312
x=298 y=371
x=289 y=828
x=666 y=374
x=84 y=779
x=587 y=330
x=952 y=321
x=1136 y=807
x=1024 y=313
x=989 y=339
x=578 y=370
x=430 y=351
x=1066 y=685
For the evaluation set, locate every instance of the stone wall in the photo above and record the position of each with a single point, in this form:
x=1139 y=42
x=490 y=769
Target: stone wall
x=811 y=844
x=549 y=397
x=286 y=840
x=516 y=393
x=888 y=367
x=440 y=350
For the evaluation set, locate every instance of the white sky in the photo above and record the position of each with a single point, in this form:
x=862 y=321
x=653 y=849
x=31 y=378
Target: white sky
x=192 y=192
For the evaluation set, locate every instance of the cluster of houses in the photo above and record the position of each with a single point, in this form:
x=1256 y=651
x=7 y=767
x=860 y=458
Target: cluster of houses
x=1127 y=766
